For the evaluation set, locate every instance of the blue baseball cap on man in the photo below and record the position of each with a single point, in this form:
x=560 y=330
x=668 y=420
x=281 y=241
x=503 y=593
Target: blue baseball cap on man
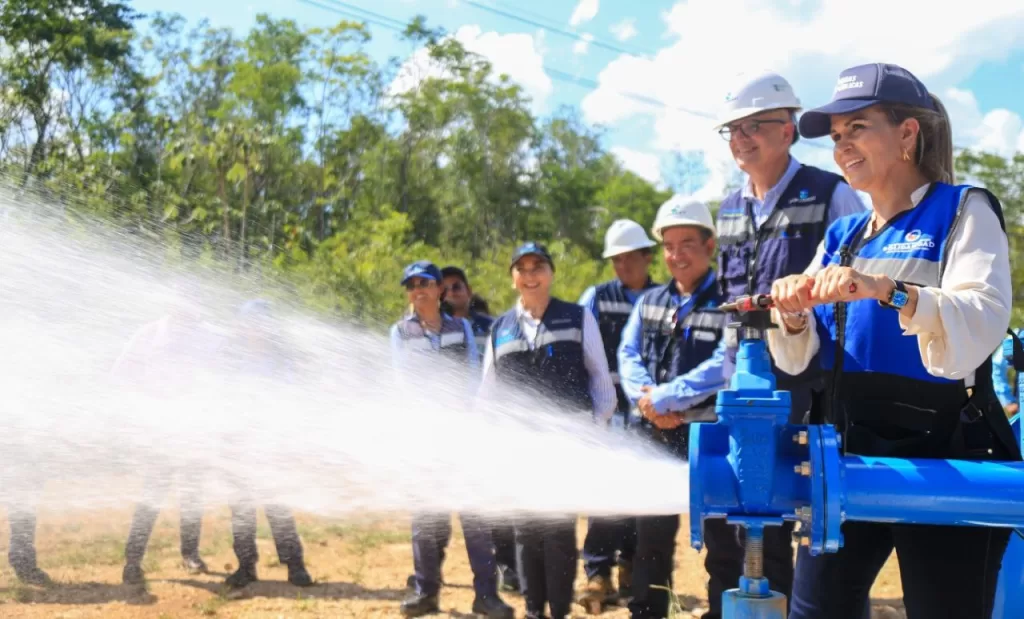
x=861 y=87
x=531 y=249
x=421 y=268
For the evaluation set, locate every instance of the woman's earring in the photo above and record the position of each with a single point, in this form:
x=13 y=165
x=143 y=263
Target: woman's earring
x=906 y=155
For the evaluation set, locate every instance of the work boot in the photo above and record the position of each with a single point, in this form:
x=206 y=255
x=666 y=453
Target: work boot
x=31 y=575
x=298 y=576
x=193 y=564
x=598 y=592
x=245 y=575
x=625 y=579
x=493 y=607
x=508 y=579
x=133 y=574
x=410 y=582
x=419 y=605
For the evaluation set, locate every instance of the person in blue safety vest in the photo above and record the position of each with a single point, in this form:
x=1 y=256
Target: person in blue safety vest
x=425 y=329
x=1006 y=390
x=769 y=228
x=256 y=351
x=672 y=361
x=458 y=302
x=930 y=260
x=626 y=244
x=553 y=348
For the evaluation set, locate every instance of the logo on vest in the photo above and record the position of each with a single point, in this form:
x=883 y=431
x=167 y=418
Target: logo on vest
x=504 y=336
x=912 y=241
x=804 y=197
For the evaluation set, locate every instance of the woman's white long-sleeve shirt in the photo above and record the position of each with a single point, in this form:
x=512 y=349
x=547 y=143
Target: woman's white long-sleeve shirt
x=959 y=324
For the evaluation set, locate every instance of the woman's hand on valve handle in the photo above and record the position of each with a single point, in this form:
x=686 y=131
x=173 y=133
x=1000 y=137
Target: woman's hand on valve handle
x=795 y=295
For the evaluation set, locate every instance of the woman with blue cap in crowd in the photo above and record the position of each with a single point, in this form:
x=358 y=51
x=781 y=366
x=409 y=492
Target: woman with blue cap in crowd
x=554 y=349
x=929 y=260
x=428 y=330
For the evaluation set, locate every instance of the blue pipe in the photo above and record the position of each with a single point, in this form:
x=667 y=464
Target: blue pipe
x=1010 y=586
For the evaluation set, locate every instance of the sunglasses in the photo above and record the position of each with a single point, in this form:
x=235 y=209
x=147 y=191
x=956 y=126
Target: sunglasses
x=418 y=283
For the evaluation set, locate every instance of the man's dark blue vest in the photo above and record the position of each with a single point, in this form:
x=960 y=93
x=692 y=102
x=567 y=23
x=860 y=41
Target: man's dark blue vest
x=613 y=309
x=553 y=366
x=481 y=324
x=672 y=347
x=749 y=261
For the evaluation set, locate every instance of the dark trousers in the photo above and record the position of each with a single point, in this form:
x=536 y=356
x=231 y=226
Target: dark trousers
x=605 y=538
x=504 y=537
x=547 y=556
x=155 y=487
x=946 y=572
x=430 y=535
x=22 y=551
x=282 y=528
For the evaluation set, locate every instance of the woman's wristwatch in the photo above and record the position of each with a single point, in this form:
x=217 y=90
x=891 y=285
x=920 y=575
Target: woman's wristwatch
x=898 y=297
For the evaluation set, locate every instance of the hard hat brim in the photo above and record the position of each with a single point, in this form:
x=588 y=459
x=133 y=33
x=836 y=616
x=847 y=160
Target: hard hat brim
x=682 y=224
x=611 y=252
x=746 y=112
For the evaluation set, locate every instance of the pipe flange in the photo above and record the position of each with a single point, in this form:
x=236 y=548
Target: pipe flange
x=825 y=533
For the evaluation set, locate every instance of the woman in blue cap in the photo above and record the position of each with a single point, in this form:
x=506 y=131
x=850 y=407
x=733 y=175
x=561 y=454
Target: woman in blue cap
x=553 y=348
x=930 y=260
x=428 y=330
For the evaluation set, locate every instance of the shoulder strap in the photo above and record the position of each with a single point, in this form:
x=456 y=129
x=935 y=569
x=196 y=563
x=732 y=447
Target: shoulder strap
x=1018 y=351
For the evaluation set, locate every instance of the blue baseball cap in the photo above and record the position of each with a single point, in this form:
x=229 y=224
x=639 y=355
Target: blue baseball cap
x=861 y=87
x=421 y=268
x=531 y=249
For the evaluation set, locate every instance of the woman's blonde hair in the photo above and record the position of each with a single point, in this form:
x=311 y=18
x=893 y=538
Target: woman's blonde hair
x=934 y=150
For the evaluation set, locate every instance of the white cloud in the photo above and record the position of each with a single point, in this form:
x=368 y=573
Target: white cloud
x=580 y=47
x=585 y=11
x=644 y=165
x=625 y=29
x=692 y=74
x=514 y=54
x=999 y=131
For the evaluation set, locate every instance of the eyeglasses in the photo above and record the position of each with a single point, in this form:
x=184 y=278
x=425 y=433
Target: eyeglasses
x=418 y=283
x=748 y=128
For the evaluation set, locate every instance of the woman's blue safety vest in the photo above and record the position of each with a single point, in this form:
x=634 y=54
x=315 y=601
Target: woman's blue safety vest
x=880 y=394
x=551 y=365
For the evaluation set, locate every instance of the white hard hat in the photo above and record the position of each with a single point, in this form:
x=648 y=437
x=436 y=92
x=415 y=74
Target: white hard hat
x=682 y=211
x=625 y=235
x=756 y=92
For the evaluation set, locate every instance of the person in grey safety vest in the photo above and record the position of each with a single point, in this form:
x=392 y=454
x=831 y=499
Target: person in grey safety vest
x=427 y=330
x=627 y=245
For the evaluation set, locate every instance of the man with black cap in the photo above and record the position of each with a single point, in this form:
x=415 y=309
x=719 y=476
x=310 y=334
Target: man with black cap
x=553 y=348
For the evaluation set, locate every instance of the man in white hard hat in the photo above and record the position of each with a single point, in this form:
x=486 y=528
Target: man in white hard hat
x=770 y=228
x=672 y=363
x=627 y=245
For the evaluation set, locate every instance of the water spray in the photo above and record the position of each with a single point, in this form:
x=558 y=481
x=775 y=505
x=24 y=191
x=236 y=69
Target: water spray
x=756 y=470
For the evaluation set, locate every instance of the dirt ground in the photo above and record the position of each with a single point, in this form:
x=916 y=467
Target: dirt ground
x=360 y=567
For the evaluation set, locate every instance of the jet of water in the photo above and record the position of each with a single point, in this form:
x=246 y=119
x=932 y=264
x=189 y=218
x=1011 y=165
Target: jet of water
x=119 y=373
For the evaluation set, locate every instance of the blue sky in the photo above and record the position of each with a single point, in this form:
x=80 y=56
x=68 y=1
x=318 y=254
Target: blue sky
x=679 y=57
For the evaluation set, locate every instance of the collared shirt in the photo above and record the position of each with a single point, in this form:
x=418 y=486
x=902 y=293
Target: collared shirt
x=601 y=387
x=845 y=200
x=682 y=392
